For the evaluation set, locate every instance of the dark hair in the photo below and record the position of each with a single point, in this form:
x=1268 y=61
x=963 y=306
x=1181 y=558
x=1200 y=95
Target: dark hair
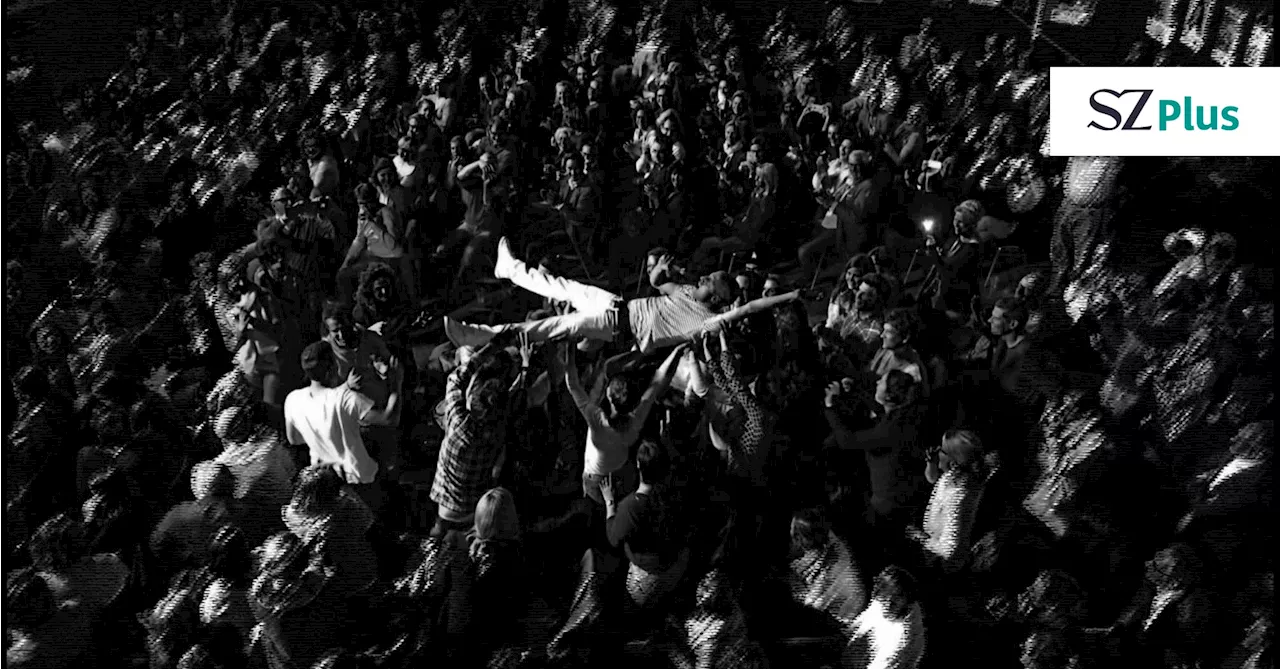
x=339 y=311
x=899 y=387
x=897 y=588
x=878 y=283
x=618 y=394
x=58 y=542
x=904 y=321
x=222 y=483
x=486 y=396
x=1015 y=310
x=27 y=597
x=229 y=555
x=32 y=382
x=812 y=529
x=318 y=489
x=652 y=462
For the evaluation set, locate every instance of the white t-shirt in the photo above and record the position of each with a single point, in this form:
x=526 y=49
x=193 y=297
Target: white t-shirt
x=327 y=420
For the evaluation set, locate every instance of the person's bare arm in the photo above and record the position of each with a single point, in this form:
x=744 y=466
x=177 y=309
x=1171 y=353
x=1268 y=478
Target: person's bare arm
x=659 y=279
x=581 y=398
x=661 y=381
x=752 y=307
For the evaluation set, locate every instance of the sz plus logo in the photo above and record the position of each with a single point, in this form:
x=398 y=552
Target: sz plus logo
x=1123 y=110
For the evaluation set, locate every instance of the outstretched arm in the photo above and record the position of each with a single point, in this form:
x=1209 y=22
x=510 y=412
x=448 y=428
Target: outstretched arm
x=752 y=307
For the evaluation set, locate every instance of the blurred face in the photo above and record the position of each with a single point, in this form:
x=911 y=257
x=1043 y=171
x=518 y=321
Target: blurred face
x=109 y=421
x=677 y=180
x=1000 y=323
x=641 y=119
x=406 y=152
x=562 y=95
x=588 y=157
x=846 y=148
x=416 y=129
x=753 y=154
x=382 y=289
x=342 y=332
x=890 y=337
x=662 y=99
x=771 y=288
x=593 y=92
x=280 y=206
x=833 y=135
x=386 y=178
x=48 y=342
x=580 y=74
x=730 y=133
x=715 y=284
x=656 y=153
x=573 y=168
x=739 y=104
x=458 y=148
x=866 y=299
x=668 y=128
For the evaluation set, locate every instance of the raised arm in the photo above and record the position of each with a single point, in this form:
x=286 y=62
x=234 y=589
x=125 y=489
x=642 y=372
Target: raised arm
x=753 y=428
x=581 y=398
x=661 y=381
x=659 y=279
x=455 y=393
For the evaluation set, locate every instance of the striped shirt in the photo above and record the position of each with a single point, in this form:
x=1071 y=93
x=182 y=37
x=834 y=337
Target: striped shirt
x=668 y=320
x=467 y=455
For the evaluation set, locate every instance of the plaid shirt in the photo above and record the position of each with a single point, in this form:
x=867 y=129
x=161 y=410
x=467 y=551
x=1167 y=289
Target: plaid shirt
x=464 y=470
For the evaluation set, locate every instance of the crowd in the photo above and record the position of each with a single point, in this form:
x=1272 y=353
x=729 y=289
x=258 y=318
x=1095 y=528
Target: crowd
x=334 y=345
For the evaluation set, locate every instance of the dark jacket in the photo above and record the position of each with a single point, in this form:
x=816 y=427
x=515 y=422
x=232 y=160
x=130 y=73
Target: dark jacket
x=894 y=455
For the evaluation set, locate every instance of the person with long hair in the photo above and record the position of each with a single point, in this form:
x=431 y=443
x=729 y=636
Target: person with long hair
x=498 y=589
x=613 y=421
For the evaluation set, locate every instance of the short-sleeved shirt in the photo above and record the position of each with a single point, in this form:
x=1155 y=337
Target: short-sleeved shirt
x=327 y=420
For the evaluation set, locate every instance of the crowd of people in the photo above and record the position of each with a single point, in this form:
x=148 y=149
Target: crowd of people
x=334 y=340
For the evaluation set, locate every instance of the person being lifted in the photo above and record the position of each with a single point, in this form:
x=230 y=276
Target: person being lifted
x=676 y=316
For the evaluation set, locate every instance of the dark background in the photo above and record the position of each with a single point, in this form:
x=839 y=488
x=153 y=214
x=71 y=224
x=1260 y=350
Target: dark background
x=76 y=43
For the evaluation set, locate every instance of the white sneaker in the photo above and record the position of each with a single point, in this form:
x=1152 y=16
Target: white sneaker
x=504 y=265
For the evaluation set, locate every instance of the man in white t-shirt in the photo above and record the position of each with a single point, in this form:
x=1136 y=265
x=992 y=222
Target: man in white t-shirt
x=326 y=415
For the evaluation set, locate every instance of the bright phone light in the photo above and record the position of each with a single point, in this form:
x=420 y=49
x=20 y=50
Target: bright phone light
x=928 y=225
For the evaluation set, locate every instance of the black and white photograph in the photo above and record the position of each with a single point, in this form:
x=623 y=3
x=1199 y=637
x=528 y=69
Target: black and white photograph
x=665 y=334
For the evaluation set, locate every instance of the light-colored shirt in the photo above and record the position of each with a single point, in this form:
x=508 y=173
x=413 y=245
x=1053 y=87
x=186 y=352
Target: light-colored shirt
x=327 y=420
x=668 y=320
x=607 y=446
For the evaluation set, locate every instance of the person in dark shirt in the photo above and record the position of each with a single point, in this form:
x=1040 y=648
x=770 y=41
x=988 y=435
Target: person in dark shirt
x=643 y=524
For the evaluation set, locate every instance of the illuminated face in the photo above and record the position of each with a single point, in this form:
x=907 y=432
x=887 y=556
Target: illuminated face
x=890 y=338
x=668 y=128
x=999 y=322
x=771 y=288
x=867 y=298
x=342 y=332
